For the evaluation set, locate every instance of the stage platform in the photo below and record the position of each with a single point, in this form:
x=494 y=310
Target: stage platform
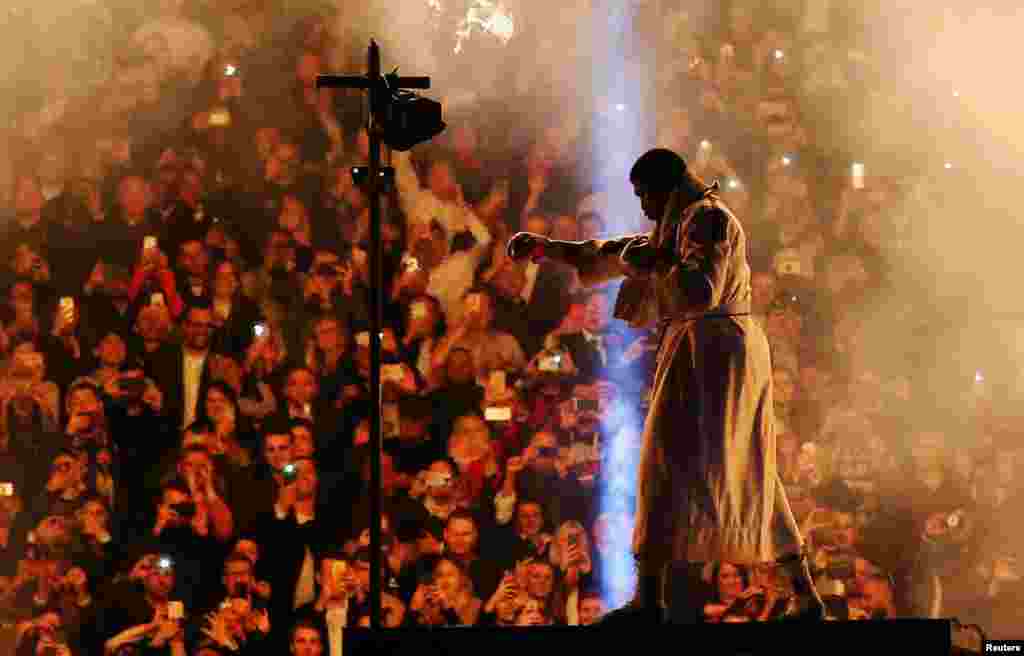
x=864 y=638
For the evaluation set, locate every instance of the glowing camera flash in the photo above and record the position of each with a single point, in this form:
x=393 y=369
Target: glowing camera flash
x=620 y=107
x=779 y=54
x=786 y=161
x=978 y=377
x=949 y=165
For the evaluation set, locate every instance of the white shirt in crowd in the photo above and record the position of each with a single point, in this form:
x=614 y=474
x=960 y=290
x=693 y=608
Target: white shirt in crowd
x=531 y=281
x=193 y=369
x=337 y=620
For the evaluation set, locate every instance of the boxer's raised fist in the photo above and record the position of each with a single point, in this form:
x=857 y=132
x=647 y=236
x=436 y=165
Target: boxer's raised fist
x=524 y=245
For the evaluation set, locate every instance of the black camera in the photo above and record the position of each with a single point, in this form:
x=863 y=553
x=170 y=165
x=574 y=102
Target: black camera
x=587 y=405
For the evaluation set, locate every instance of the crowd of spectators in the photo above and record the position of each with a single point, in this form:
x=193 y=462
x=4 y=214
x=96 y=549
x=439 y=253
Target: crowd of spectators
x=186 y=352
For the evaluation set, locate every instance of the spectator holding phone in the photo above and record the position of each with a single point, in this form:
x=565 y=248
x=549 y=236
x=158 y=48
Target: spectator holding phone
x=504 y=606
x=570 y=553
x=182 y=531
x=446 y=598
x=152 y=617
x=435 y=488
x=235 y=315
x=473 y=331
x=542 y=472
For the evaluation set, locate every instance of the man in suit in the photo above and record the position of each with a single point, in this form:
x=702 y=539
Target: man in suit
x=595 y=347
x=184 y=373
x=530 y=300
x=302 y=401
x=299 y=532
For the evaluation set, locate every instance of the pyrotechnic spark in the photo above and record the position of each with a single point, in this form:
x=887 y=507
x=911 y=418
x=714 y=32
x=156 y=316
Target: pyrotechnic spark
x=488 y=17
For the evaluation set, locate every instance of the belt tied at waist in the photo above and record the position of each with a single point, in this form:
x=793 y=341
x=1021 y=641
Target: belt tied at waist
x=737 y=309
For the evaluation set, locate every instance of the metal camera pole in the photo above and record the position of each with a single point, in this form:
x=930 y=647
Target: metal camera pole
x=380 y=96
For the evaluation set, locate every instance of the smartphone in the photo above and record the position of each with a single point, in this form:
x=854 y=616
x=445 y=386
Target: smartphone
x=498 y=414
x=259 y=329
x=175 y=611
x=573 y=539
x=412 y=264
x=289 y=473
x=220 y=118
x=149 y=243
x=67 y=304
x=157 y=299
x=6 y=489
x=551 y=363
x=419 y=310
x=586 y=405
x=857 y=175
